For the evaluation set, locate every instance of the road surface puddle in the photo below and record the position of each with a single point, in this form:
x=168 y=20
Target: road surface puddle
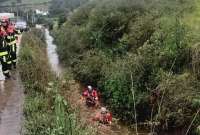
x=11 y=107
x=11 y=104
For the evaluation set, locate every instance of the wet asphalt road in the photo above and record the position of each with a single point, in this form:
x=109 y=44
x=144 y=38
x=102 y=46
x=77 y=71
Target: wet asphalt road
x=11 y=104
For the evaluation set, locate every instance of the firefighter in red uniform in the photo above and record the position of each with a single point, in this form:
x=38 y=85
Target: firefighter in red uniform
x=91 y=96
x=104 y=116
x=4 y=52
x=11 y=40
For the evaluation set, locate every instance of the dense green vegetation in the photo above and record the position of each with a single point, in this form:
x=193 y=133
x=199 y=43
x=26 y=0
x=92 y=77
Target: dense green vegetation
x=46 y=111
x=137 y=46
x=62 y=8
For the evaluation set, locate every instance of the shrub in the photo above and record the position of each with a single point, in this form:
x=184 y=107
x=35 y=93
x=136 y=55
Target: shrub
x=89 y=69
x=195 y=52
x=180 y=99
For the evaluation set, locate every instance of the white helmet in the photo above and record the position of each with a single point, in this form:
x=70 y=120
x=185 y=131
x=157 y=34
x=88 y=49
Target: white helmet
x=90 y=88
x=103 y=110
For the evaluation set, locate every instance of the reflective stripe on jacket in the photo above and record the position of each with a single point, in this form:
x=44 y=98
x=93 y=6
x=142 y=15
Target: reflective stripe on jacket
x=3 y=53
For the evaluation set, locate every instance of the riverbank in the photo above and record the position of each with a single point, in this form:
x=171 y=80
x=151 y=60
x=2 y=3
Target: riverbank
x=46 y=112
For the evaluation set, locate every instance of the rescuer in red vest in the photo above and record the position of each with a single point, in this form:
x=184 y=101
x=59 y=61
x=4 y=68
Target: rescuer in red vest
x=104 y=116
x=91 y=96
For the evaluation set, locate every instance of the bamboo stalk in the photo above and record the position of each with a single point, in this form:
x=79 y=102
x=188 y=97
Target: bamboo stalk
x=192 y=122
x=135 y=113
x=163 y=94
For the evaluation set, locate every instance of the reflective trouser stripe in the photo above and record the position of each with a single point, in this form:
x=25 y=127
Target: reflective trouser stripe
x=14 y=60
x=13 y=42
x=5 y=72
x=9 y=62
x=4 y=58
x=3 y=53
x=13 y=48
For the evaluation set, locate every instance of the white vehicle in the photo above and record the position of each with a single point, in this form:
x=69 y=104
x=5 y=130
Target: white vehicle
x=9 y=15
x=21 y=25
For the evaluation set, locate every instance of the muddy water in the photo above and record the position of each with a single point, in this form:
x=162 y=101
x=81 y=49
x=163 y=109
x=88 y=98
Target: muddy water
x=11 y=105
x=85 y=115
x=52 y=54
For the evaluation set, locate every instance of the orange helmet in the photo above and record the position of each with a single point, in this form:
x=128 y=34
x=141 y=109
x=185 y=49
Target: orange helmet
x=4 y=19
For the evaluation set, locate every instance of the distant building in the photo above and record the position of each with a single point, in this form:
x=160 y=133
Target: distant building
x=9 y=15
x=40 y=12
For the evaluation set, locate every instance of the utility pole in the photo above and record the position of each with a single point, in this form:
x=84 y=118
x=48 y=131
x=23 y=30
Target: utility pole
x=18 y=2
x=33 y=17
x=27 y=16
x=17 y=12
x=13 y=5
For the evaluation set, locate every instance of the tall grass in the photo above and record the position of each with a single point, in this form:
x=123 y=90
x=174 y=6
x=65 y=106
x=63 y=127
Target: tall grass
x=46 y=111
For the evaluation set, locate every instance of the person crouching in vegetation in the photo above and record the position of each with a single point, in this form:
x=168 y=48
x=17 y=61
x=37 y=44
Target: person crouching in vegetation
x=91 y=96
x=104 y=116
